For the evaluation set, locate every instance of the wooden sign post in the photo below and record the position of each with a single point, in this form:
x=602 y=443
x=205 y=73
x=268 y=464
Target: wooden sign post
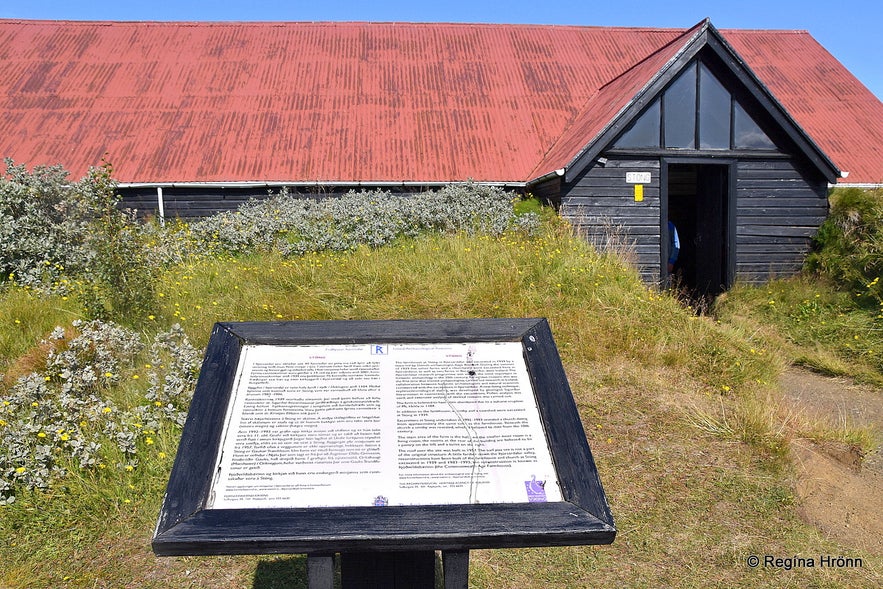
x=383 y=442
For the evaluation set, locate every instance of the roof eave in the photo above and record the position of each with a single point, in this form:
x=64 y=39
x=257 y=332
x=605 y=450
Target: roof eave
x=321 y=184
x=768 y=101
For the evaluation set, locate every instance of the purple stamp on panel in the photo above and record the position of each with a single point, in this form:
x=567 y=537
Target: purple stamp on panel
x=381 y=501
x=536 y=490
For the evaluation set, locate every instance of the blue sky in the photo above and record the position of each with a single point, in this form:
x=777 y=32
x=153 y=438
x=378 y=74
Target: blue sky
x=849 y=29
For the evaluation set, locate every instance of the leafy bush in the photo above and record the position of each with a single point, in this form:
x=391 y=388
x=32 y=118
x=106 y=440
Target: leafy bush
x=62 y=416
x=119 y=282
x=849 y=245
x=62 y=236
x=44 y=223
x=294 y=224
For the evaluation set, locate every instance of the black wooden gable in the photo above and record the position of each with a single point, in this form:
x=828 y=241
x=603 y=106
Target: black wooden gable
x=708 y=50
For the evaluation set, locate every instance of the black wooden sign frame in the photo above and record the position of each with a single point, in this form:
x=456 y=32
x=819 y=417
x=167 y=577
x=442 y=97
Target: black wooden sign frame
x=186 y=527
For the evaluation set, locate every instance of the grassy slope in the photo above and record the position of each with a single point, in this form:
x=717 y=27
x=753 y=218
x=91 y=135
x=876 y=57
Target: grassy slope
x=832 y=332
x=680 y=412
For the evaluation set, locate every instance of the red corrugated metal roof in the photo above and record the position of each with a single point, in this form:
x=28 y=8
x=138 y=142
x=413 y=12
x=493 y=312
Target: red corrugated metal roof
x=606 y=104
x=838 y=112
x=367 y=102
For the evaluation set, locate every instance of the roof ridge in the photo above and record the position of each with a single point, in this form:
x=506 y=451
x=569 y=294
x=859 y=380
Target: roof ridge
x=208 y=23
x=777 y=31
x=698 y=28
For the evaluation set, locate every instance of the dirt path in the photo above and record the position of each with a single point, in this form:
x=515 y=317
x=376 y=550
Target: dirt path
x=840 y=491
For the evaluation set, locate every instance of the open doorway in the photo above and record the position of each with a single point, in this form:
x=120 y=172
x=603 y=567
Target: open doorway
x=699 y=206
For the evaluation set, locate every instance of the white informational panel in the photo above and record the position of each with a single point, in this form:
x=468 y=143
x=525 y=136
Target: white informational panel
x=382 y=424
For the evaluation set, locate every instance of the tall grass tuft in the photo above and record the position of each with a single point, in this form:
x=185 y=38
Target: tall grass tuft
x=849 y=245
x=26 y=318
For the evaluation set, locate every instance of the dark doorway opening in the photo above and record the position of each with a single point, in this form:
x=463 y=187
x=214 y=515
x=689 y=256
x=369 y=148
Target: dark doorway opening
x=699 y=206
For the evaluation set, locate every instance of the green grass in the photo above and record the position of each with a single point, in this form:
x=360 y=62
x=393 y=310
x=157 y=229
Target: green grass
x=681 y=412
x=25 y=319
x=812 y=324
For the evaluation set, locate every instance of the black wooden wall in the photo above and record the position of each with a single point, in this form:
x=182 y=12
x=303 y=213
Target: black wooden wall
x=195 y=202
x=602 y=207
x=188 y=202
x=779 y=208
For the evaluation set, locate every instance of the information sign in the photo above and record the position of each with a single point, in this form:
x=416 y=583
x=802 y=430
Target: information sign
x=326 y=437
x=383 y=424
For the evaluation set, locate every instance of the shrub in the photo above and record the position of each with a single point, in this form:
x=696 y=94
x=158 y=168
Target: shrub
x=43 y=225
x=62 y=236
x=62 y=416
x=118 y=284
x=849 y=245
x=295 y=224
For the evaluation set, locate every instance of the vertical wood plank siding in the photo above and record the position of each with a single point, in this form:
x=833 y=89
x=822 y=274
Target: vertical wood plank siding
x=602 y=207
x=779 y=209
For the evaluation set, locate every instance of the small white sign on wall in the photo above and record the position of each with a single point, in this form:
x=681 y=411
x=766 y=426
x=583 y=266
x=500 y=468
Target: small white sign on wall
x=637 y=177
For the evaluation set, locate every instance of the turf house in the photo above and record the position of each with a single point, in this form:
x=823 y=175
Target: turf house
x=735 y=136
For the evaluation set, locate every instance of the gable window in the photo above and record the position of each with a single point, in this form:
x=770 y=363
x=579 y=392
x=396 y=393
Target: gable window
x=696 y=111
x=714 y=111
x=746 y=133
x=644 y=132
x=679 y=111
